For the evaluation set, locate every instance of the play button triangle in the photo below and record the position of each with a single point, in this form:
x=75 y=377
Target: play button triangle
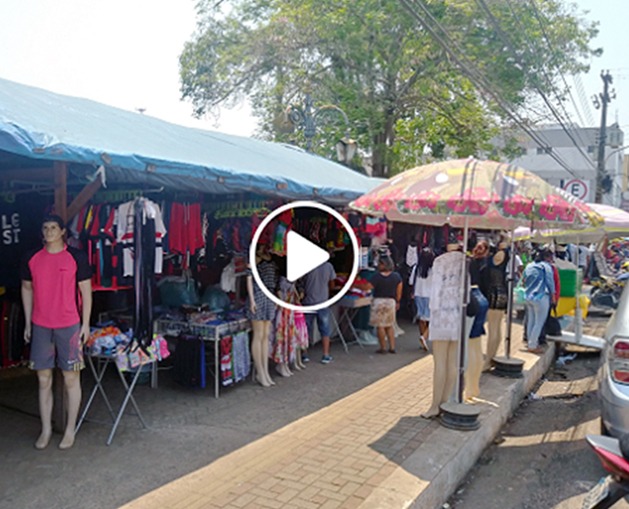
x=302 y=256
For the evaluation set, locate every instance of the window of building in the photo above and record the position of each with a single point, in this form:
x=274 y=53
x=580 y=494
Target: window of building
x=544 y=150
x=591 y=149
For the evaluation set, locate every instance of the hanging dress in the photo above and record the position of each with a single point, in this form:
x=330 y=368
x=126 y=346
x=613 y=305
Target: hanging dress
x=265 y=307
x=285 y=338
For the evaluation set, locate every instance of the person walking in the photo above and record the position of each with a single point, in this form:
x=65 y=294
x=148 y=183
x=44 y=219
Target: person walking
x=422 y=289
x=387 y=293
x=50 y=277
x=316 y=285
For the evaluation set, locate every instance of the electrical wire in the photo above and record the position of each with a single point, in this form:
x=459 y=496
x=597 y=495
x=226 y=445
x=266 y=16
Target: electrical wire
x=542 y=24
x=583 y=99
x=506 y=40
x=469 y=69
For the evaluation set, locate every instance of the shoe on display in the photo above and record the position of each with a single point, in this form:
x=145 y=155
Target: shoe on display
x=326 y=359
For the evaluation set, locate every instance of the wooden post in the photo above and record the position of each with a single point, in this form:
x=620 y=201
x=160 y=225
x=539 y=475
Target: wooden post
x=61 y=189
x=86 y=194
x=59 y=413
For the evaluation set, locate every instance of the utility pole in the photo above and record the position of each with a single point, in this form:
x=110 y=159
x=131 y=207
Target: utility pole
x=602 y=101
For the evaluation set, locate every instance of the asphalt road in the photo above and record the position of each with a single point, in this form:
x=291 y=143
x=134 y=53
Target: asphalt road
x=541 y=460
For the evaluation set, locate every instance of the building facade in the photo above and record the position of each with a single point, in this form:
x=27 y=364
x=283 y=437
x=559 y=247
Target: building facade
x=578 y=150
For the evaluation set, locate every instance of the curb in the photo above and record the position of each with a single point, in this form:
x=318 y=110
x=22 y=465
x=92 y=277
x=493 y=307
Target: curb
x=432 y=473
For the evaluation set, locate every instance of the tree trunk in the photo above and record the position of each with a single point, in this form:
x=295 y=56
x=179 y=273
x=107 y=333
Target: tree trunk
x=382 y=141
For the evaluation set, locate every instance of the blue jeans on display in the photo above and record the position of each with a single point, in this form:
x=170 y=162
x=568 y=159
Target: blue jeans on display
x=478 y=327
x=536 y=314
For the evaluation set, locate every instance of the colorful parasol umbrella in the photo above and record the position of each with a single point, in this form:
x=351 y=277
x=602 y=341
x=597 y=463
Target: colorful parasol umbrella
x=488 y=194
x=615 y=224
x=471 y=193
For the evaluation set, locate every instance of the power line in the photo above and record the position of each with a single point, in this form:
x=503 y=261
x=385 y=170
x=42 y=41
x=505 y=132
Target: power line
x=503 y=36
x=543 y=23
x=468 y=68
x=583 y=98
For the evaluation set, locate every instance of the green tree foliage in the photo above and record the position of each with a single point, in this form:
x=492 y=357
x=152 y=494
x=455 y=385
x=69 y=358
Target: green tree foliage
x=405 y=97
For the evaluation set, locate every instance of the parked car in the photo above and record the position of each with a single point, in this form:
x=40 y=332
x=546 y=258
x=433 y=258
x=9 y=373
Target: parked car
x=614 y=371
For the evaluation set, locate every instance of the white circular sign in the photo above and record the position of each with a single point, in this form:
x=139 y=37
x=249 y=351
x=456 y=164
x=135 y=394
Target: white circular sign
x=256 y=238
x=577 y=188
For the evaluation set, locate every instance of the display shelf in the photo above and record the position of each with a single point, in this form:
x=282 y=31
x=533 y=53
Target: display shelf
x=207 y=333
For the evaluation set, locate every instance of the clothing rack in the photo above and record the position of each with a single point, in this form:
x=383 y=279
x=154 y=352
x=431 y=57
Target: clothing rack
x=123 y=195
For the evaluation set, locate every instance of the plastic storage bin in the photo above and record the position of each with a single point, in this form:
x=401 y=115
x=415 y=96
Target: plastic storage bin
x=569 y=279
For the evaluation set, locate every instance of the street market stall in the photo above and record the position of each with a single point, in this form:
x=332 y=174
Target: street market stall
x=196 y=194
x=468 y=193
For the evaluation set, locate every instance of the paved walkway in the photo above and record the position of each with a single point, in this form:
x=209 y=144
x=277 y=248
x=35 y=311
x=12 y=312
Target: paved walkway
x=369 y=450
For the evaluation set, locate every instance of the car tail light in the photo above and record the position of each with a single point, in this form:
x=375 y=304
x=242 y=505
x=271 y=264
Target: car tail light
x=619 y=360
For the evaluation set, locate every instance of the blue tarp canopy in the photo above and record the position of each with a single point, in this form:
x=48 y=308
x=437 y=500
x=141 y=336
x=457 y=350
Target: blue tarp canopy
x=140 y=150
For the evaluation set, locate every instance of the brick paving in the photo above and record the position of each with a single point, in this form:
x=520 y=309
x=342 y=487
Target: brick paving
x=331 y=459
x=334 y=458
x=370 y=449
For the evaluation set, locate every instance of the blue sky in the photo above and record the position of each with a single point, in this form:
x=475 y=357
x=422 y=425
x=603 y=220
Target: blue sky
x=125 y=53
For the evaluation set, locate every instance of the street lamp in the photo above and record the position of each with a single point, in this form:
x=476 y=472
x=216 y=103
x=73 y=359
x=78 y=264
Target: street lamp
x=307 y=118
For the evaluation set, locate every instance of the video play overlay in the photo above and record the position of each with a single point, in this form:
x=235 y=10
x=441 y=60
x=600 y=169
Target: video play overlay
x=303 y=244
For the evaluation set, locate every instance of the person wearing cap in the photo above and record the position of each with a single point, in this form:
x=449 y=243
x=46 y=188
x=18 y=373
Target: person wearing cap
x=539 y=288
x=55 y=327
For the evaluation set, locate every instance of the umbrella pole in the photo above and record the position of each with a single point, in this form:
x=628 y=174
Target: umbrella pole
x=510 y=278
x=578 y=318
x=464 y=299
x=508 y=366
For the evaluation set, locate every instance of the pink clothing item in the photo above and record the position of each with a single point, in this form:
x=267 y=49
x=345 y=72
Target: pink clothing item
x=54 y=278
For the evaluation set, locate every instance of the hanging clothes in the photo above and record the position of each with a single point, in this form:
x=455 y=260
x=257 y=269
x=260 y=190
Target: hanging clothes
x=241 y=356
x=125 y=224
x=143 y=272
x=186 y=227
x=285 y=338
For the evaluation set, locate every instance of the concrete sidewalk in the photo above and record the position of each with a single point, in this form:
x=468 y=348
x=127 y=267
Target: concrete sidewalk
x=370 y=449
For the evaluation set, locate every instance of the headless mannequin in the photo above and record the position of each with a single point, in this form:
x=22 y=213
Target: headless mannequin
x=474 y=368
x=261 y=330
x=260 y=351
x=298 y=362
x=445 y=354
x=494 y=317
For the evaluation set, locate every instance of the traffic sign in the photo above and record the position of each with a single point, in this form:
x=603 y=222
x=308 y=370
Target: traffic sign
x=578 y=188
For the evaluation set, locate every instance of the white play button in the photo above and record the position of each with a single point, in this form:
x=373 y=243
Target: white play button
x=302 y=256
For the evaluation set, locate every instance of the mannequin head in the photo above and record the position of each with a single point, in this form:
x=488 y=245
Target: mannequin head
x=481 y=250
x=263 y=252
x=454 y=241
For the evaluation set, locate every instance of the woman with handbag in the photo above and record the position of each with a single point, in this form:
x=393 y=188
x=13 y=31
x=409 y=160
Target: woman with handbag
x=539 y=287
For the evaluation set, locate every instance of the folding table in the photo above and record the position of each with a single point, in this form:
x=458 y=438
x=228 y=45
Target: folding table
x=348 y=307
x=98 y=365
